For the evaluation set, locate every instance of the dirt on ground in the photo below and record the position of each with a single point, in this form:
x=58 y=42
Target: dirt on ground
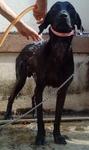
x=22 y=137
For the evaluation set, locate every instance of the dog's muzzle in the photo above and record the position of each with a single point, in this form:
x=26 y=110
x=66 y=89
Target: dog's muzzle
x=60 y=34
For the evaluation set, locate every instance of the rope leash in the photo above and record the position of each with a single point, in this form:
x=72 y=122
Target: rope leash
x=5 y=34
x=16 y=120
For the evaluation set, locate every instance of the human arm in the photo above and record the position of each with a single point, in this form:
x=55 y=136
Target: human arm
x=23 y=28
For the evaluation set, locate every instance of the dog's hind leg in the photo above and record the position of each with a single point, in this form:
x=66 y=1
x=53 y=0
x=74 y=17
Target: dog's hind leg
x=20 y=81
x=18 y=86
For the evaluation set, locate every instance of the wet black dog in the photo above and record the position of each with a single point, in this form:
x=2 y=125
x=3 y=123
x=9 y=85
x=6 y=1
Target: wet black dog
x=51 y=62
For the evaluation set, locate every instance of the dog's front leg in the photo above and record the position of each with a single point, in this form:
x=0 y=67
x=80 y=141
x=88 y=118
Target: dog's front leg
x=58 y=138
x=40 y=139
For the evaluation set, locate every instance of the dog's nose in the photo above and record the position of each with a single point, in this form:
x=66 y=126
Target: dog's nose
x=63 y=14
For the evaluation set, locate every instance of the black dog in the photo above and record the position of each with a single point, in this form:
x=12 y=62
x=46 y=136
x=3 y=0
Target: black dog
x=50 y=62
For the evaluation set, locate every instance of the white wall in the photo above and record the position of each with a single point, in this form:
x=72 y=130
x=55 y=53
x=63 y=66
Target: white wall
x=77 y=96
x=82 y=6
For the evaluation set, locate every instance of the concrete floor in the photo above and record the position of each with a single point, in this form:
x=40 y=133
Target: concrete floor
x=22 y=137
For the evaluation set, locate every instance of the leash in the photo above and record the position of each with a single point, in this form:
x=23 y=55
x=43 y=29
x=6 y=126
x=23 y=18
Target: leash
x=5 y=34
x=28 y=112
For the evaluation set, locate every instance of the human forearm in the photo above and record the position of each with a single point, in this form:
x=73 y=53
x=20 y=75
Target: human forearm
x=42 y=4
x=6 y=11
x=24 y=29
x=9 y=14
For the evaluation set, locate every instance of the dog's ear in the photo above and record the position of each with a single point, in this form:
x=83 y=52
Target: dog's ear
x=46 y=22
x=78 y=22
x=49 y=18
x=75 y=18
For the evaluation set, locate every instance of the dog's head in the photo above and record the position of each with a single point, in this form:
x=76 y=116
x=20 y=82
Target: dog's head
x=62 y=17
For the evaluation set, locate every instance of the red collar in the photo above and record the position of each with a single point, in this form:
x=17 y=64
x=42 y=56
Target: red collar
x=60 y=34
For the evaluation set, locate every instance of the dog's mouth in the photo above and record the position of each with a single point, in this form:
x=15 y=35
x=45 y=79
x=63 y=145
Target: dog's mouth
x=62 y=34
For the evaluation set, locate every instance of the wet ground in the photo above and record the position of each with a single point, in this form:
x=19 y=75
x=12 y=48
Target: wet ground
x=22 y=137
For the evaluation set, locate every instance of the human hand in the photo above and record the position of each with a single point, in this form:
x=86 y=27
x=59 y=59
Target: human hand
x=27 y=31
x=39 y=10
x=38 y=14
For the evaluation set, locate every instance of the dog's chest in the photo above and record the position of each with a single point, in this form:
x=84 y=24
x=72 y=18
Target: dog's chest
x=53 y=72
x=57 y=69
x=52 y=67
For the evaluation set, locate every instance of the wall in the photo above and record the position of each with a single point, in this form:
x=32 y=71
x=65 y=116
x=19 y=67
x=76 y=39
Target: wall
x=78 y=93
x=82 y=6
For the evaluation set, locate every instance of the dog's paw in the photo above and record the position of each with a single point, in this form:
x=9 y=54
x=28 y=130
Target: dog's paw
x=8 y=117
x=40 y=140
x=58 y=139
